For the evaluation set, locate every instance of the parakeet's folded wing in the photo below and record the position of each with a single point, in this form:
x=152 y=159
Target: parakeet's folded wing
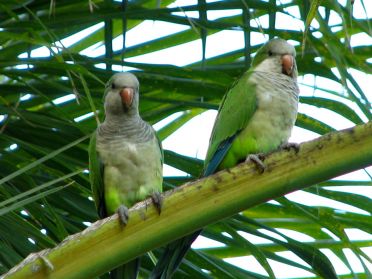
x=96 y=170
x=231 y=119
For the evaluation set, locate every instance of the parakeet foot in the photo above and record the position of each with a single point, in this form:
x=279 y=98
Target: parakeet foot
x=257 y=159
x=45 y=262
x=123 y=213
x=291 y=145
x=157 y=199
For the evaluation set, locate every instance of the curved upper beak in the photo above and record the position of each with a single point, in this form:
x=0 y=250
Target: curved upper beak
x=126 y=95
x=287 y=64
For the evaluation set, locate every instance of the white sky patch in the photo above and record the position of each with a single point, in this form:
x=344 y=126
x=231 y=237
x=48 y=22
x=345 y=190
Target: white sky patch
x=25 y=97
x=282 y=270
x=367 y=251
x=300 y=135
x=227 y=40
x=331 y=234
x=334 y=19
x=317 y=34
x=204 y=242
x=260 y=22
x=353 y=260
x=357 y=234
x=88 y=224
x=200 y=125
x=224 y=40
x=187 y=14
x=149 y=30
x=66 y=42
x=287 y=22
x=117 y=68
x=326 y=116
x=339 y=266
x=24 y=213
x=83 y=117
x=227 y=234
x=358 y=10
x=216 y=14
x=355 y=175
x=180 y=3
x=360 y=190
x=13 y=146
x=253 y=238
x=73 y=39
x=294 y=11
x=64 y=99
x=171 y=171
x=190 y=53
x=153 y=30
x=273 y=202
x=31 y=240
x=296 y=235
x=283 y=2
x=308 y=82
x=314 y=24
x=335 y=29
x=247 y=263
x=157 y=126
x=272 y=234
x=24 y=66
x=361 y=39
x=310 y=199
x=363 y=81
x=94 y=50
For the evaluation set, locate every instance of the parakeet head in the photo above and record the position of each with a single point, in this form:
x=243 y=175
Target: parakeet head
x=122 y=94
x=276 y=56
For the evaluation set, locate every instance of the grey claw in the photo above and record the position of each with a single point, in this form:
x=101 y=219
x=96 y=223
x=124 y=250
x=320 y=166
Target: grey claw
x=157 y=199
x=291 y=145
x=123 y=213
x=257 y=159
x=45 y=262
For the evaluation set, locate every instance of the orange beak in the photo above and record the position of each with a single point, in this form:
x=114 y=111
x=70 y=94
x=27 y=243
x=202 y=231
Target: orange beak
x=287 y=64
x=126 y=95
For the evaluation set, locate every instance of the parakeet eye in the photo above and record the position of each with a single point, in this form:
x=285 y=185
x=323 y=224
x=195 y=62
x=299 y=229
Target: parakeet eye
x=113 y=85
x=270 y=53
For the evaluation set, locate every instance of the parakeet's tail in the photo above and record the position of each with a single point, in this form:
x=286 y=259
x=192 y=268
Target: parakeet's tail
x=176 y=251
x=172 y=257
x=128 y=271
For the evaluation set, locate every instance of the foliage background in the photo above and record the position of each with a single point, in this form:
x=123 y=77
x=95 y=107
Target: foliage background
x=44 y=188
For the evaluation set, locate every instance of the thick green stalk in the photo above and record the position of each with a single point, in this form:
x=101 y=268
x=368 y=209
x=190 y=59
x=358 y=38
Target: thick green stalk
x=192 y=206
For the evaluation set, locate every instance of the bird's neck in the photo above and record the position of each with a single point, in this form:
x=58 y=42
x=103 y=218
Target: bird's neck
x=117 y=127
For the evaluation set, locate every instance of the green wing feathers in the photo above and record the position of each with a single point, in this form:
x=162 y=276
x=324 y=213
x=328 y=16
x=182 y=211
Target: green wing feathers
x=236 y=109
x=96 y=177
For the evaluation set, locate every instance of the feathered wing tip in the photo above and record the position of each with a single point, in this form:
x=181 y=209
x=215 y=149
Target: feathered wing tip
x=176 y=251
x=128 y=271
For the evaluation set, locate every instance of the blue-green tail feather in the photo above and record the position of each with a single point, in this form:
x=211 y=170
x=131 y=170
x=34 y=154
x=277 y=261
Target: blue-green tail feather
x=176 y=251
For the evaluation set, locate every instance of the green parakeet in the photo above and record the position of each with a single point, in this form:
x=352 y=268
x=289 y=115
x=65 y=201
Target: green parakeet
x=125 y=158
x=256 y=116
